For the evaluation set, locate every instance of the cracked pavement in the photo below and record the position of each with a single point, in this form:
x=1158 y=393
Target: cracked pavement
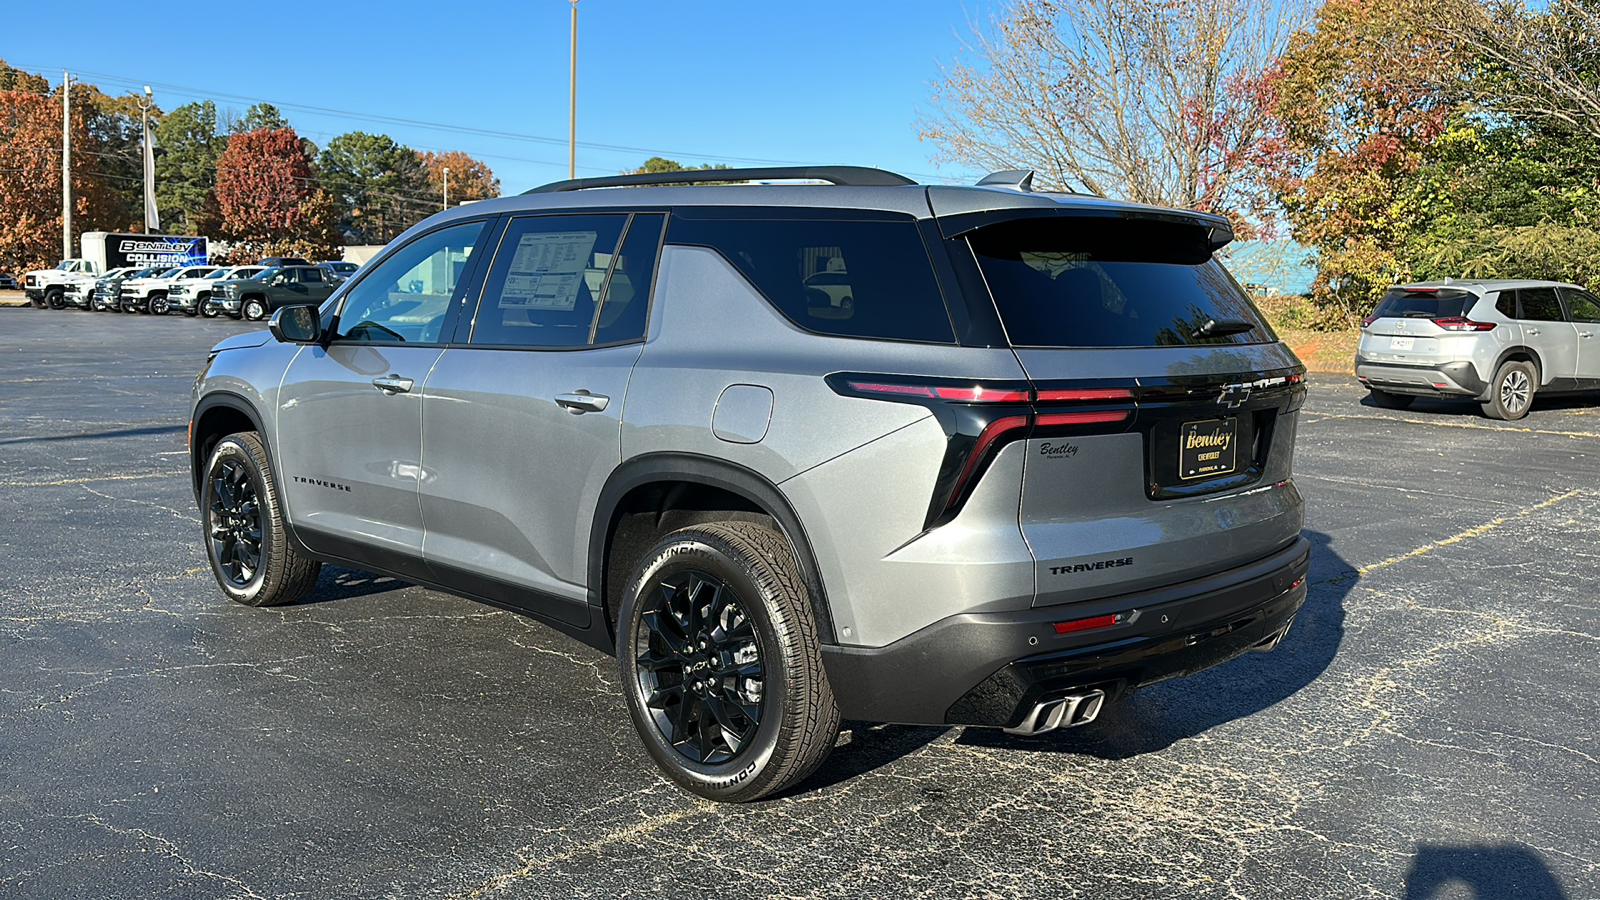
x=1430 y=729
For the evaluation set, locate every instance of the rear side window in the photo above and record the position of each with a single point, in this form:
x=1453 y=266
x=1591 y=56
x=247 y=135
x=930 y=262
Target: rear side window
x=545 y=286
x=1506 y=305
x=1541 y=305
x=860 y=279
x=1092 y=282
x=1445 y=303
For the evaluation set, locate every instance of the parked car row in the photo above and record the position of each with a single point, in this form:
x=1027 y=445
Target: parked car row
x=243 y=292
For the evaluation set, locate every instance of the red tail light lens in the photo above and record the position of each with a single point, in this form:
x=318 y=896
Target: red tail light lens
x=1082 y=418
x=1460 y=323
x=1368 y=320
x=1086 y=624
x=974 y=394
x=1081 y=396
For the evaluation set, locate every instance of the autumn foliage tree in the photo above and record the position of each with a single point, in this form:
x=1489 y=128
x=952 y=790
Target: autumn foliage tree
x=30 y=173
x=265 y=192
x=469 y=178
x=1143 y=100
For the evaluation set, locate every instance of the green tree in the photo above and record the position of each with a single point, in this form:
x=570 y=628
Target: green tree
x=258 y=117
x=186 y=166
x=382 y=185
x=658 y=164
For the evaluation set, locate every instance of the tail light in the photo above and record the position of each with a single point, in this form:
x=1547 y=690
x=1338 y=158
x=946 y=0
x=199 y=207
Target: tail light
x=980 y=418
x=1461 y=323
x=1368 y=319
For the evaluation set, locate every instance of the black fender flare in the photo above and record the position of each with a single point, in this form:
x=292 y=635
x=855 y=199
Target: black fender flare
x=712 y=472
x=230 y=401
x=1507 y=353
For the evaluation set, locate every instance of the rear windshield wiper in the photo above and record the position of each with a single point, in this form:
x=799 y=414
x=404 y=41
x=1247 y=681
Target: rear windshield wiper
x=1220 y=327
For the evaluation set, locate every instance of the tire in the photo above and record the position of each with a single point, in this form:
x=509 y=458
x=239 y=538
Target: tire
x=778 y=716
x=55 y=299
x=159 y=305
x=1386 y=400
x=209 y=310
x=253 y=309
x=241 y=520
x=1511 y=392
x=129 y=304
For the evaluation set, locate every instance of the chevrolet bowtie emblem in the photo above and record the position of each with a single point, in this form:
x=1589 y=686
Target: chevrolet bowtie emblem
x=1234 y=394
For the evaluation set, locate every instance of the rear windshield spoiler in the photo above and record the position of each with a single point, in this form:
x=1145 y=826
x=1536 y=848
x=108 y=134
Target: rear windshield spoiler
x=1218 y=229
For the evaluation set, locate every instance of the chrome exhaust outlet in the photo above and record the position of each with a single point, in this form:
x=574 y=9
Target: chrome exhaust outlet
x=1271 y=641
x=1060 y=712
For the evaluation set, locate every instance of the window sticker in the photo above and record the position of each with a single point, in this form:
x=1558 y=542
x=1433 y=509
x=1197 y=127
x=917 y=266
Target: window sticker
x=547 y=270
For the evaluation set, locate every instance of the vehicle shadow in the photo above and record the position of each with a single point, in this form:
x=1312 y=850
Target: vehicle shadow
x=870 y=745
x=339 y=583
x=99 y=435
x=1158 y=716
x=1490 y=871
x=1446 y=406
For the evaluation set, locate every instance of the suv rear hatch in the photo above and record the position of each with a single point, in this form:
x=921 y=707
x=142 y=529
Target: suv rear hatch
x=1164 y=405
x=1415 y=325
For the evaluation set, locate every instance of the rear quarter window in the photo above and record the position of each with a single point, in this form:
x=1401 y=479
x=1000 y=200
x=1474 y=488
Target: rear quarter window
x=1094 y=282
x=849 y=278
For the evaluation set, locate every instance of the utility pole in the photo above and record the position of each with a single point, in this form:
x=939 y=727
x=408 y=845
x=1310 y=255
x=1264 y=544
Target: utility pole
x=66 y=165
x=446 y=187
x=572 y=121
x=152 y=216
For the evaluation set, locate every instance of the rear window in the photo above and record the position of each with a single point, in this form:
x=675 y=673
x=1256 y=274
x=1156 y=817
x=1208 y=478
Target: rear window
x=1090 y=282
x=1445 y=303
x=862 y=279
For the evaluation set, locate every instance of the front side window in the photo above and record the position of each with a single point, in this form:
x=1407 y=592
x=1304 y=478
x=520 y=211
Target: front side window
x=1584 y=305
x=407 y=297
x=545 y=286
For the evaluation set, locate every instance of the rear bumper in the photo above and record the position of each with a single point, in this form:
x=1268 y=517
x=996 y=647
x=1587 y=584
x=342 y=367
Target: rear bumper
x=991 y=668
x=1451 y=379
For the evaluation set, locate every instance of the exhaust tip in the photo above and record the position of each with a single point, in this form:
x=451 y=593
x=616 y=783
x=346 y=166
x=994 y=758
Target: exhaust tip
x=1067 y=711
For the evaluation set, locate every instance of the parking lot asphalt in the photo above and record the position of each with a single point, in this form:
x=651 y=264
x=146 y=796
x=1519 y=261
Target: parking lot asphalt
x=1431 y=727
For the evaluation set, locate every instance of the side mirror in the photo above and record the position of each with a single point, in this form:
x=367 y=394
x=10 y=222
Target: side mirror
x=296 y=325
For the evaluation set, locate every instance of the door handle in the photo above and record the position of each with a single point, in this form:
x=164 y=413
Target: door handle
x=580 y=402
x=1533 y=331
x=1585 y=334
x=393 y=384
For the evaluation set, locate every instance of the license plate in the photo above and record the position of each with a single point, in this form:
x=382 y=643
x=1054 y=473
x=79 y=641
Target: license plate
x=1207 y=448
x=1401 y=343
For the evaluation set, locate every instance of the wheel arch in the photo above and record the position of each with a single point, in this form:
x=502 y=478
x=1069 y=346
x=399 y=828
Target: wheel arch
x=215 y=417
x=659 y=492
x=1517 y=353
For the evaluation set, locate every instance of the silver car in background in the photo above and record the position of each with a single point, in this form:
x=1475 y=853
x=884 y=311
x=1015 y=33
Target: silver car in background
x=1497 y=342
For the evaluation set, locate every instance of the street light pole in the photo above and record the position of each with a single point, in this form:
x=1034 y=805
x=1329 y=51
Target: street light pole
x=572 y=121
x=152 y=217
x=66 y=165
x=446 y=187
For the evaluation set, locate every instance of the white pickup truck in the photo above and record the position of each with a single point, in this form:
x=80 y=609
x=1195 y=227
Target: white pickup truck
x=48 y=287
x=153 y=295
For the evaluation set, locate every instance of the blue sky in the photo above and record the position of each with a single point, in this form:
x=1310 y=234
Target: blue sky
x=819 y=82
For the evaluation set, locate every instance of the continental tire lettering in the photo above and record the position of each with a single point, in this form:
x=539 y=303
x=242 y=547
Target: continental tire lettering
x=1092 y=567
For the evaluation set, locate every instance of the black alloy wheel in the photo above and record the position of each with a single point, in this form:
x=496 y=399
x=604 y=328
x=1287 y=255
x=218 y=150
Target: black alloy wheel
x=721 y=662
x=160 y=305
x=235 y=523
x=243 y=527
x=55 y=298
x=700 y=674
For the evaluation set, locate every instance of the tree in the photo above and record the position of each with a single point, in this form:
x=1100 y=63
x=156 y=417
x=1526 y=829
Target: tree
x=258 y=117
x=30 y=173
x=469 y=178
x=186 y=166
x=382 y=184
x=1538 y=62
x=262 y=180
x=657 y=164
x=1355 y=104
x=1142 y=100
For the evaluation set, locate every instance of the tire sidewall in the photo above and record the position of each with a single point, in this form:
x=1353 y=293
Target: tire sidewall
x=741 y=775
x=159 y=305
x=1498 y=408
x=233 y=448
x=248 y=310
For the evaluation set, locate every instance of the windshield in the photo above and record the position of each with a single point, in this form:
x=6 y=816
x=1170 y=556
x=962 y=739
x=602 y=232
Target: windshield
x=1443 y=303
x=1093 y=282
x=221 y=273
x=263 y=275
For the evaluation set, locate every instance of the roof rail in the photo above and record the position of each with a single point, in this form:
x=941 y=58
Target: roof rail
x=854 y=176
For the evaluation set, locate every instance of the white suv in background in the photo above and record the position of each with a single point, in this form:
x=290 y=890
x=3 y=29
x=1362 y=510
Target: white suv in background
x=1498 y=342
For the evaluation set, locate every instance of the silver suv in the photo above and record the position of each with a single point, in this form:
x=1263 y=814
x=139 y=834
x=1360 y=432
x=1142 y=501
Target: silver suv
x=1498 y=342
x=870 y=449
